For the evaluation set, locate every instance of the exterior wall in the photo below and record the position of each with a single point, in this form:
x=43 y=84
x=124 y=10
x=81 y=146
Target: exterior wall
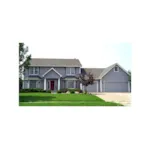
x=62 y=84
x=25 y=84
x=32 y=83
x=61 y=70
x=42 y=70
x=115 y=81
x=52 y=74
x=77 y=84
x=42 y=84
x=93 y=87
x=77 y=70
x=112 y=76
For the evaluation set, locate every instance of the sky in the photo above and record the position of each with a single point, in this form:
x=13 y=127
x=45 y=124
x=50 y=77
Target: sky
x=92 y=31
x=103 y=55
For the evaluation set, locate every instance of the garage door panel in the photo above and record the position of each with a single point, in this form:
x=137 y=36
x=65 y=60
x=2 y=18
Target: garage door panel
x=92 y=88
x=116 y=87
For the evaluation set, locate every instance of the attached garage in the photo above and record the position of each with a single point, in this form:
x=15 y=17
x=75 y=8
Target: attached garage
x=93 y=87
x=115 y=86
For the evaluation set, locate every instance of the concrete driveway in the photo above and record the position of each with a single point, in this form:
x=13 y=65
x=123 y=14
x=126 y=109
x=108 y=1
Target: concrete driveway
x=122 y=98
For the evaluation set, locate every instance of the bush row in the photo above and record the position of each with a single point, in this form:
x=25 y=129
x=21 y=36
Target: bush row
x=34 y=90
x=70 y=90
x=48 y=91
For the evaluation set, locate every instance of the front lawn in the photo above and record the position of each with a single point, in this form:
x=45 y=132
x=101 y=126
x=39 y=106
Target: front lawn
x=47 y=99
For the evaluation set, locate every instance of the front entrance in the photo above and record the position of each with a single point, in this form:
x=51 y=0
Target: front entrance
x=51 y=85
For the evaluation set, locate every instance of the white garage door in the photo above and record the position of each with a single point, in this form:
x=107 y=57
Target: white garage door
x=93 y=87
x=116 y=86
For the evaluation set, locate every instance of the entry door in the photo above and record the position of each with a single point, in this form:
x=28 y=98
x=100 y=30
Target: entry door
x=52 y=85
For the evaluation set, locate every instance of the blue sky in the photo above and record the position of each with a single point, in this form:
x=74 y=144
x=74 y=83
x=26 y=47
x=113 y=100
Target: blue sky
x=122 y=53
x=80 y=31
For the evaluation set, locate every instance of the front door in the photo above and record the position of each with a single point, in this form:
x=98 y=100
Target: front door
x=52 y=85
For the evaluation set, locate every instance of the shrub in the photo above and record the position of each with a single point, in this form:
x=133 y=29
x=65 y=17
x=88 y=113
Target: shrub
x=31 y=90
x=48 y=91
x=59 y=91
x=72 y=92
x=80 y=91
x=63 y=90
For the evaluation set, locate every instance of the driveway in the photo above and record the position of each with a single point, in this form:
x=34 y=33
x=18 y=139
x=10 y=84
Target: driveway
x=122 y=98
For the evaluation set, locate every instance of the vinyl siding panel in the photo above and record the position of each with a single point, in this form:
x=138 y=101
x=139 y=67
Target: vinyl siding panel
x=93 y=87
x=115 y=81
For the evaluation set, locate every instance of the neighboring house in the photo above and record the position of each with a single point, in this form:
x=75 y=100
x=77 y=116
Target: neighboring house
x=55 y=74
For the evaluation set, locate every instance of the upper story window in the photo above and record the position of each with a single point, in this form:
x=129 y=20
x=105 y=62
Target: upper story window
x=33 y=70
x=116 y=69
x=70 y=71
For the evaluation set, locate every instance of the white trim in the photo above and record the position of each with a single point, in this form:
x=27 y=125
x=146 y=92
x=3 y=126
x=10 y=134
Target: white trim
x=45 y=84
x=112 y=68
x=101 y=89
x=28 y=84
x=59 y=84
x=70 y=79
x=79 y=70
x=129 y=87
x=97 y=86
x=81 y=87
x=104 y=85
x=53 y=70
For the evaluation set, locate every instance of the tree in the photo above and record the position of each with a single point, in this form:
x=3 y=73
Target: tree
x=86 y=79
x=24 y=61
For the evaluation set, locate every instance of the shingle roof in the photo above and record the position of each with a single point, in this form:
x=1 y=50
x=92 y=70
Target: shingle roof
x=46 y=62
x=98 y=72
x=106 y=70
x=95 y=71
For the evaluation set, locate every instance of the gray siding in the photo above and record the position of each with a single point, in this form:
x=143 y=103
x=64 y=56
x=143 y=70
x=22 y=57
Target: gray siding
x=52 y=74
x=32 y=83
x=62 y=84
x=77 y=84
x=112 y=76
x=42 y=70
x=93 y=87
x=77 y=70
x=42 y=84
x=115 y=81
x=25 y=84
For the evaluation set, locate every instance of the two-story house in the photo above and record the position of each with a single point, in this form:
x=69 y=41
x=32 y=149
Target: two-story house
x=55 y=74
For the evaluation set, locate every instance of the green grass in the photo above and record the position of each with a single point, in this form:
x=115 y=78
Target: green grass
x=47 y=99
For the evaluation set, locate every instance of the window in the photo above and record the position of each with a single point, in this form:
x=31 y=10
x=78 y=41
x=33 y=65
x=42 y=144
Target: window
x=32 y=83
x=70 y=71
x=116 y=69
x=34 y=70
x=70 y=84
x=31 y=70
